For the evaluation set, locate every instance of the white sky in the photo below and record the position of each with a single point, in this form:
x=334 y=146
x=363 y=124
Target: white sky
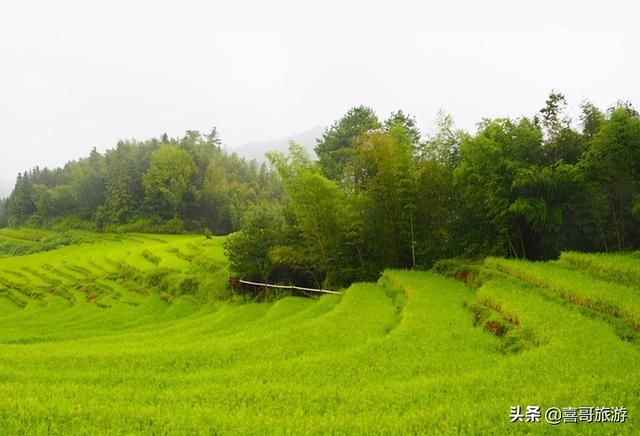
x=78 y=74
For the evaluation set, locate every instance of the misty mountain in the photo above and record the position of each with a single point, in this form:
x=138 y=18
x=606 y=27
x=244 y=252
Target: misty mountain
x=256 y=150
x=6 y=186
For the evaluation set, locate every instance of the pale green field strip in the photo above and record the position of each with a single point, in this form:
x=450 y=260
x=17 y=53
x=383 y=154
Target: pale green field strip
x=579 y=287
x=624 y=268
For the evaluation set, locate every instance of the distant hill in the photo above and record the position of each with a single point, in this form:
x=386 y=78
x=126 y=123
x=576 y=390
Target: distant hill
x=6 y=186
x=256 y=150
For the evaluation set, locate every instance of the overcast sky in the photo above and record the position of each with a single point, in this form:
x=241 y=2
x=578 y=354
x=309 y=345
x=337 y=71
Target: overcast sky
x=74 y=75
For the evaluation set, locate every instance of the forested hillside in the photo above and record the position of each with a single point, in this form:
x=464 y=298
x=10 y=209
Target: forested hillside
x=162 y=184
x=381 y=193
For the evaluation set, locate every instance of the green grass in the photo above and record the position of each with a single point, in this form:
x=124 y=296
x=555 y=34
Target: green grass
x=623 y=268
x=579 y=287
x=16 y=242
x=112 y=337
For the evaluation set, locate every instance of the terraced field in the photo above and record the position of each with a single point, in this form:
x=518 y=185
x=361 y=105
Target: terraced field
x=137 y=334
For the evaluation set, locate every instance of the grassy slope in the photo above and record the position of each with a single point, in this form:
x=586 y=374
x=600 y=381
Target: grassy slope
x=402 y=355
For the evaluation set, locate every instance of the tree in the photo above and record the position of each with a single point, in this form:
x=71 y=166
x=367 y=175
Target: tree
x=444 y=145
x=489 y=163
x=591 y=118
x=408 y=122
x=124 y=192
x=384 y=174
x=168 y=180
x=540 y=197
x=109 y=189
x=249 y=250
x=53 y=202
x=325 y=217
x=4 y=218
x=438 y=208
x=335 y=148
x=613 y=163
x=215 y=198
x=88 y=183
x=554 y=116
x=20 y=205
x=377 y=197
x=560 y=141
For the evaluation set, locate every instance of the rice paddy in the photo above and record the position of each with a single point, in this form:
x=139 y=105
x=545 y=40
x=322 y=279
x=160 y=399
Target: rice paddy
x=138 y=334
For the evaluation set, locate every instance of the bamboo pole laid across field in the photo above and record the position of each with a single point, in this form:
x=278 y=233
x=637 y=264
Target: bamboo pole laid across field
x=298 y=288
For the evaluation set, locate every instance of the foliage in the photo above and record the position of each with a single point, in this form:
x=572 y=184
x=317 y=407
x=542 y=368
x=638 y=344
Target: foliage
x=526 y=188
x=159 y=183
x=384 y=176
x=4 y=219
x=335 y=148
x=250 y=249
x=168 y=180
x=613 y=163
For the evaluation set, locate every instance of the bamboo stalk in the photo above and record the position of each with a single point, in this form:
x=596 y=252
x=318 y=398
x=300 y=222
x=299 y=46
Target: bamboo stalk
x=324 y=291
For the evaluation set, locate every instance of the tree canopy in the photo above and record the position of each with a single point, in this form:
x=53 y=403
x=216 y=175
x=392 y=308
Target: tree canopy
x=381 y=195
x=181 y=184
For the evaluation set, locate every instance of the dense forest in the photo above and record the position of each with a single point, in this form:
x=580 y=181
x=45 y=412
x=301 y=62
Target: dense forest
x=160 y=185
x=379 y=195
x=382 y=196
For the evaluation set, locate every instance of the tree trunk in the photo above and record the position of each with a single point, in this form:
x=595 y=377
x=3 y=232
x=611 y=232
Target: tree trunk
x=615 y=221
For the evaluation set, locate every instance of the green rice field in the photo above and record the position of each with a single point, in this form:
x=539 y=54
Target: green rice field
x=138 y=334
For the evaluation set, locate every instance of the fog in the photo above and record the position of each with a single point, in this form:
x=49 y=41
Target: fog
x=75 y=75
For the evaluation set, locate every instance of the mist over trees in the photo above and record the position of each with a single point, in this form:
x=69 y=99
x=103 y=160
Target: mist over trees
x=380 y=195
x=164 y=185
